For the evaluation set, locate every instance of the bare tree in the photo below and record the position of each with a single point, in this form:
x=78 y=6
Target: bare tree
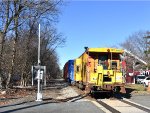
x=22 y=16
x=7 y=17
x=136 y=43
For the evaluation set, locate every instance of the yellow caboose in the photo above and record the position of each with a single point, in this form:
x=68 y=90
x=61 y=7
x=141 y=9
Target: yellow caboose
x=100 y=69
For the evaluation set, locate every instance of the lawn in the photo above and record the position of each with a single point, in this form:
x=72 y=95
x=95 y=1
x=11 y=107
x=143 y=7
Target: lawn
x=135 y=87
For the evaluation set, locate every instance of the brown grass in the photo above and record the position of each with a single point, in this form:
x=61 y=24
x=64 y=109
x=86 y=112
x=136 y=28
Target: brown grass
x=136 y=87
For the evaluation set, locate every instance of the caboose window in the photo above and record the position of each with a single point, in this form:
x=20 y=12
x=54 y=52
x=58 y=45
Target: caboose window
x=114 y=65
x=106 y=78
x=78 y=68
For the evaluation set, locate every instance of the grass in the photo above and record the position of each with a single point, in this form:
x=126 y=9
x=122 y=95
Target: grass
x=136 y=87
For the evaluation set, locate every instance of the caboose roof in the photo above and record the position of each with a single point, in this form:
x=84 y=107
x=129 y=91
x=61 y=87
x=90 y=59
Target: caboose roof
x=113 y=50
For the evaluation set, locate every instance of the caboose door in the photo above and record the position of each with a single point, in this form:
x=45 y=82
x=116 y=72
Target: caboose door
x=99 y=79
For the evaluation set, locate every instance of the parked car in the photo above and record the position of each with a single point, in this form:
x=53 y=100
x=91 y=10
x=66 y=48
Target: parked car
x=146 y=81
x=140 y=78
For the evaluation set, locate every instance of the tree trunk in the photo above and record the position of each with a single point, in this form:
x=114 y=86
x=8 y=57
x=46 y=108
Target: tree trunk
x=14 y=47
x=1 y=46
x=2 y=35
x=21 y=81
x=2 y=38
x=8 y=80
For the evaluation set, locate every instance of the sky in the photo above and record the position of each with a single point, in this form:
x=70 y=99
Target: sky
x=99 y=24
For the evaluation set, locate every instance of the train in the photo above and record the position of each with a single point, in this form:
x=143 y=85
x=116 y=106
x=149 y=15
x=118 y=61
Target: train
x=97 y=70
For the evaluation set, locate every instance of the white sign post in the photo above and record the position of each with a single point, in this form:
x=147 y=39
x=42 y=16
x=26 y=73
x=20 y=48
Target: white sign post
x=40 y=76
x=40 y=73
x=39 y=94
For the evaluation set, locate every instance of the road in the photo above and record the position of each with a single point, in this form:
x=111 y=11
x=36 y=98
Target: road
x=67 y=107
x=141 y=99
x=78 y=105
x=68 y=99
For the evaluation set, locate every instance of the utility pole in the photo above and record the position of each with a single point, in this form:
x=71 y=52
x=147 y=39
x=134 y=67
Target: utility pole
x=40 y=73
x=39 y=94
x=133 y=71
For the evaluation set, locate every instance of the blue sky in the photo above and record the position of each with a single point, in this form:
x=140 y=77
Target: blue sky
x=99 y=24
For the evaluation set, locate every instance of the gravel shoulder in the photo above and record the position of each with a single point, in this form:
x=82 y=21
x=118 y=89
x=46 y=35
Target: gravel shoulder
x=56 y=92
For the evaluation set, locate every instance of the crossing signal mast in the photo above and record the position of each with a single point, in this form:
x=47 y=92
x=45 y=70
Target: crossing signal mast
x=40 y=73
x=136 y=57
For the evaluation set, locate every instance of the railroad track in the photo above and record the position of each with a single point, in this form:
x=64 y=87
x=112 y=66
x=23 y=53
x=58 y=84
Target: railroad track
x=122 y=106
x=114 y=105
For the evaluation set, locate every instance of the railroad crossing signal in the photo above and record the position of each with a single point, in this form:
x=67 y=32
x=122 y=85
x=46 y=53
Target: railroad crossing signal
x=38 y=75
